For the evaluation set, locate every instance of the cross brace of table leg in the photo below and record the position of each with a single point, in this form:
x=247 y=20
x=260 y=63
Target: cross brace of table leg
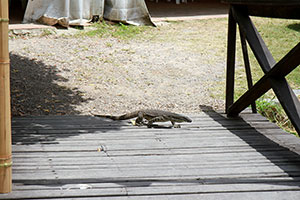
x=274 y=72
x=247 y=66
x=280 y=70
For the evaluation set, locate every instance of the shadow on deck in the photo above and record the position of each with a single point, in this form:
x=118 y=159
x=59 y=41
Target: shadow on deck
x=213 y=158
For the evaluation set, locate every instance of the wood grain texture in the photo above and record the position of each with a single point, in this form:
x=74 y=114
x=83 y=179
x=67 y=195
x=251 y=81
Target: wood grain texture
x=213 y=157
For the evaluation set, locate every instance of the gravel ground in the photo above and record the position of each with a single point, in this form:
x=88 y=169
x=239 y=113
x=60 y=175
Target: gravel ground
x=175 y=67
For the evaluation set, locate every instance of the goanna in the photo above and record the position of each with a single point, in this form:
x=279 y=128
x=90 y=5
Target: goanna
x=148 y=117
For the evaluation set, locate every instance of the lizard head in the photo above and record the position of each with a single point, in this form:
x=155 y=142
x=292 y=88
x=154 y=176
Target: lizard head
x=187 y=119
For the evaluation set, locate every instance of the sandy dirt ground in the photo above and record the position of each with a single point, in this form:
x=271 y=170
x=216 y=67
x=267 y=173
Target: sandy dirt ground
x=176 y=66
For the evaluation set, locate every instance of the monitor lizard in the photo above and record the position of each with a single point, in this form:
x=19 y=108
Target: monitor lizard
x=150 y=116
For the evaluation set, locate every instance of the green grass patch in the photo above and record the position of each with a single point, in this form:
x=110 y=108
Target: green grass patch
x=275 y=113
x=118 y=30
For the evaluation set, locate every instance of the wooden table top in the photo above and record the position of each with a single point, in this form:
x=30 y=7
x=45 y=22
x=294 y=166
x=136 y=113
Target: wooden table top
x=263 y=2
x=289 y=9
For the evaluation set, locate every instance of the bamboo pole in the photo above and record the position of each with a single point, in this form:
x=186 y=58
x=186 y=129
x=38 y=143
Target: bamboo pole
x=5 y=116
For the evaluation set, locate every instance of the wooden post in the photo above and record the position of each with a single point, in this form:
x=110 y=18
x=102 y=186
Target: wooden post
x=5 y=115
x=230 y=69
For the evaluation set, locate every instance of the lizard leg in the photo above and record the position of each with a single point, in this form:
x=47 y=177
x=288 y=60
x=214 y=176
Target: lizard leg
x=140 y=119
x=149 y=124
x=175 y=125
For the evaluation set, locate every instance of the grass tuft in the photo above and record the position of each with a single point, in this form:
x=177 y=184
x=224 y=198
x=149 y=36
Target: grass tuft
x=118 y=30
x=275 y=113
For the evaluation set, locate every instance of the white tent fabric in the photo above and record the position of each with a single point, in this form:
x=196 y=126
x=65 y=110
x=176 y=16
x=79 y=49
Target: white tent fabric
x=127 y=11
x=76 y=12
x=63 y=12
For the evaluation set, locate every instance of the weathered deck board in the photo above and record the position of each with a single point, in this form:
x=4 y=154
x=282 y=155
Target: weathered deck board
x=65 y=157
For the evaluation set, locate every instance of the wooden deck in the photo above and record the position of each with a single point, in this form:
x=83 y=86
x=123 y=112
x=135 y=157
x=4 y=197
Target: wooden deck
x=81 y=157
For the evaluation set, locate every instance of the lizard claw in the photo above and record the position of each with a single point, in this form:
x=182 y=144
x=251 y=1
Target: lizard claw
x=133 y=122
x=176 y=126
